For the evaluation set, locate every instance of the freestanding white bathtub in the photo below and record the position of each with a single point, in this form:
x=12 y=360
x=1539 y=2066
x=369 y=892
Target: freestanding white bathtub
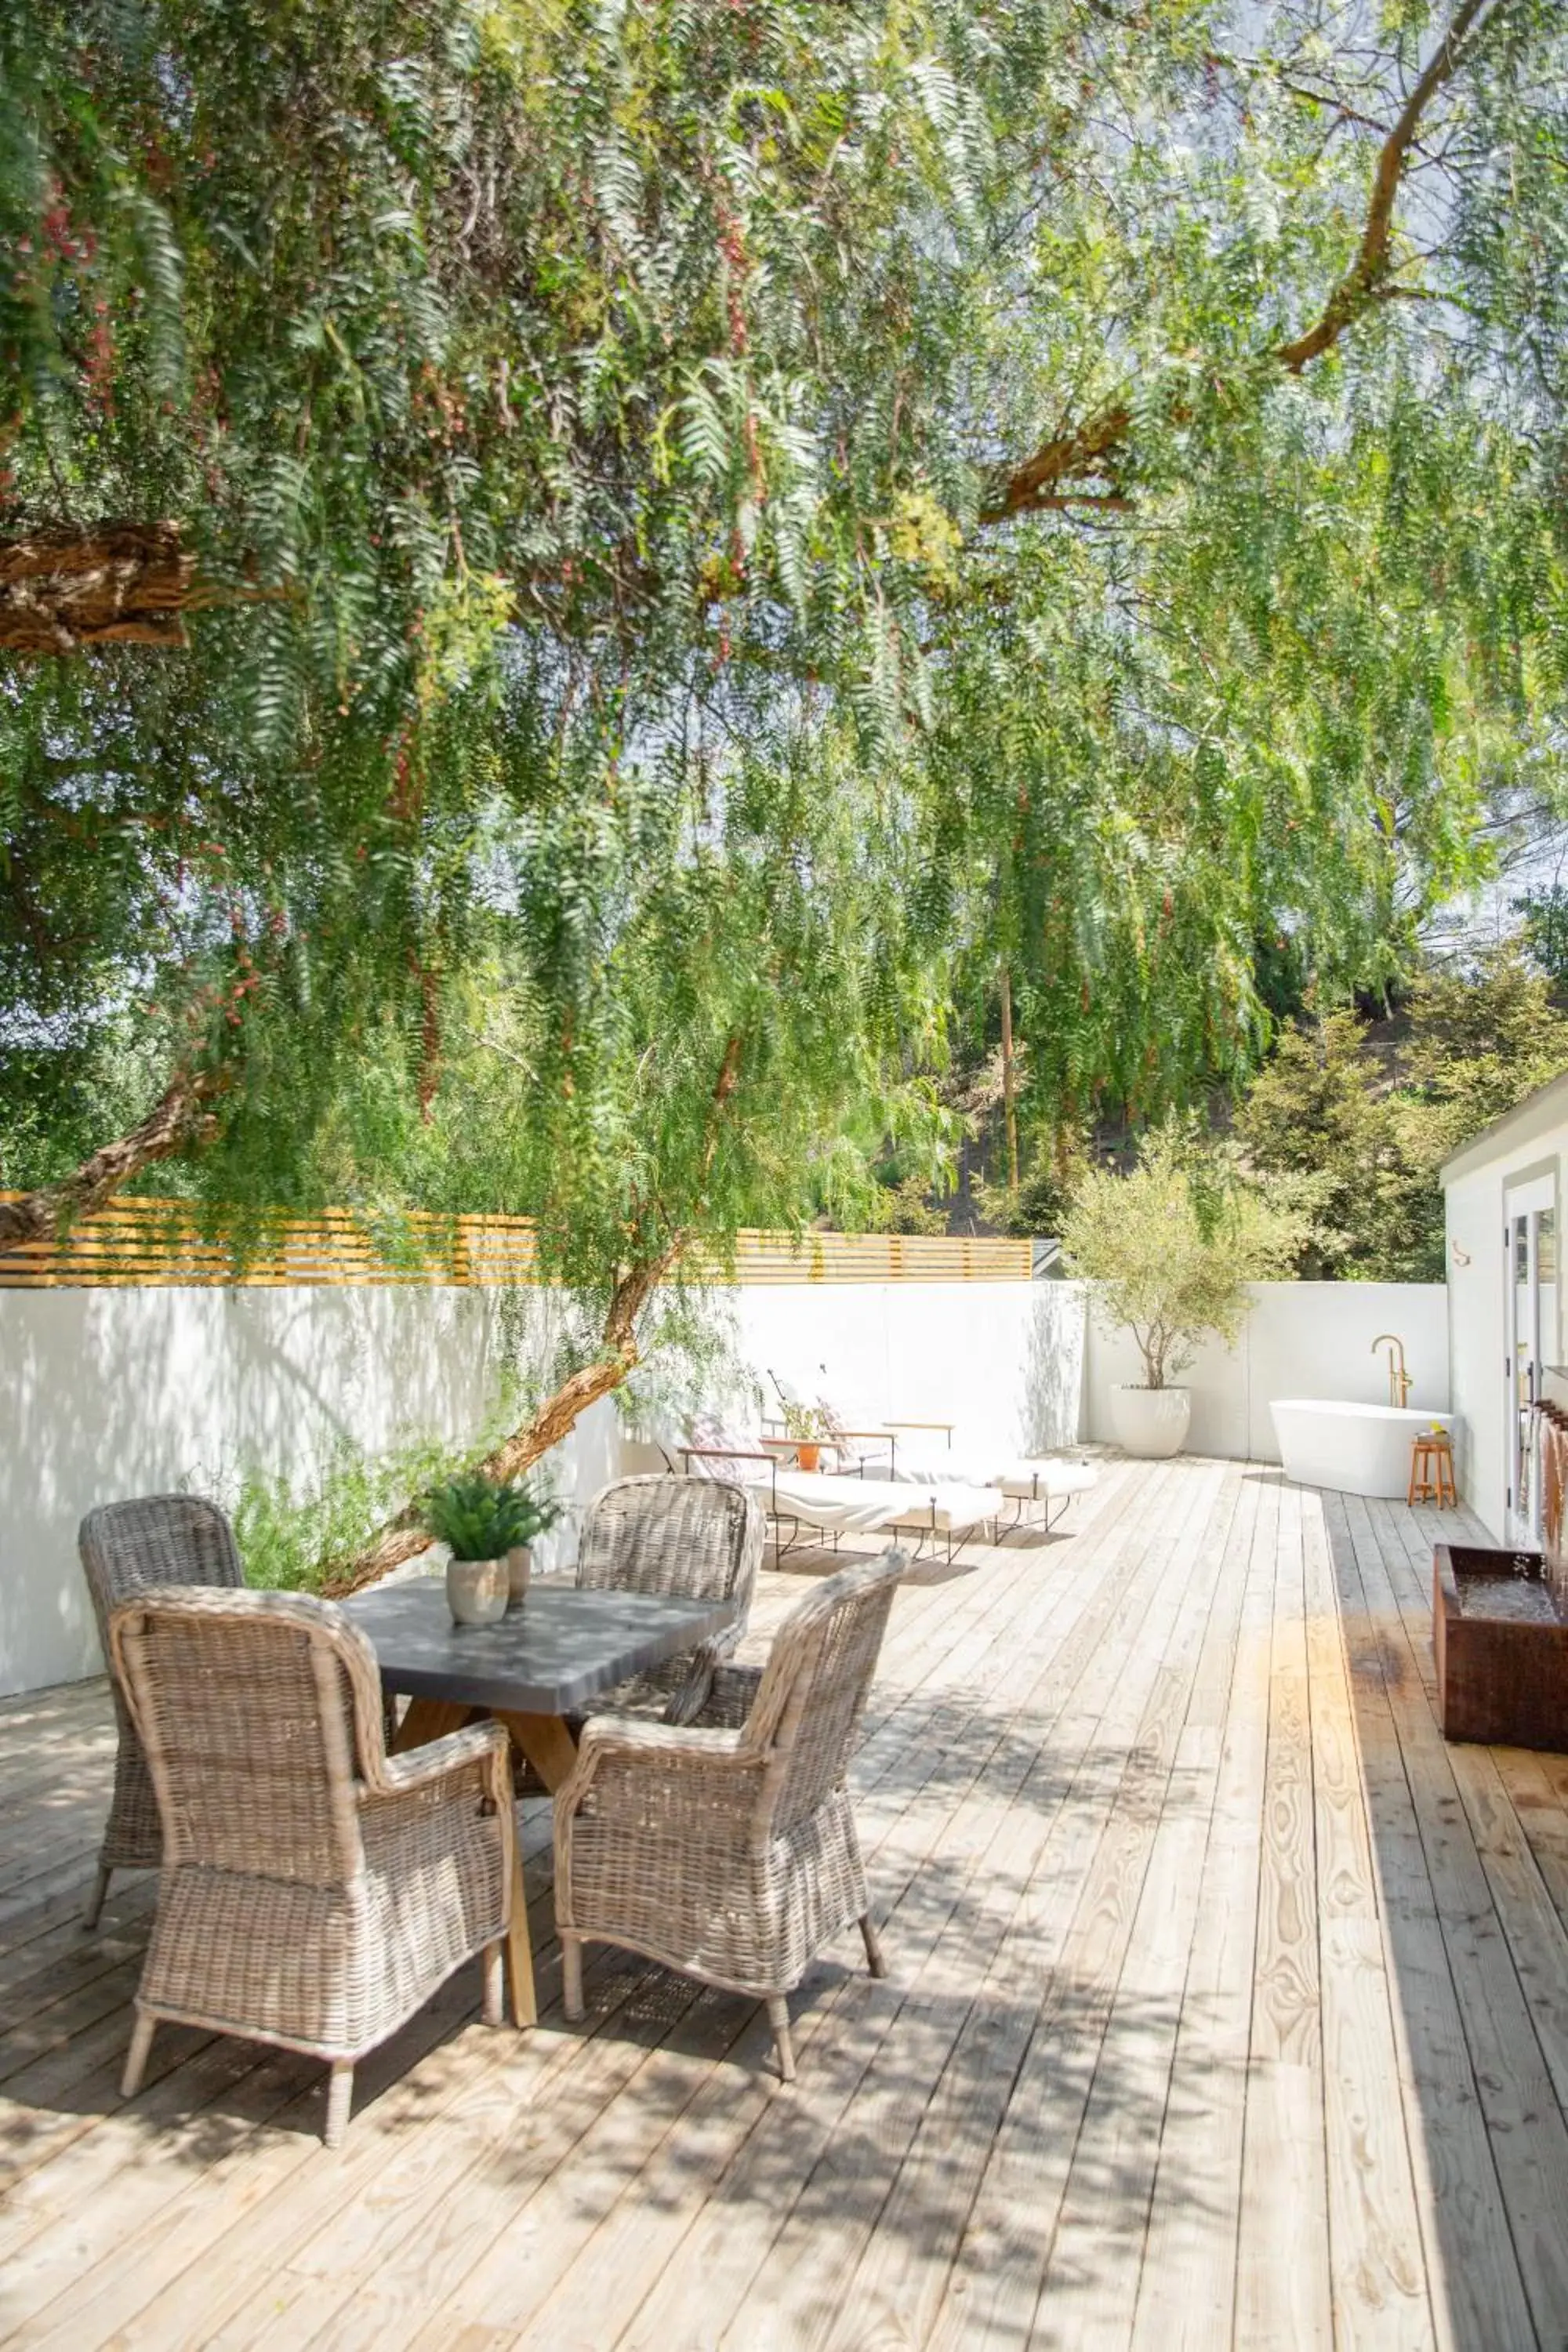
x=1355 y=1449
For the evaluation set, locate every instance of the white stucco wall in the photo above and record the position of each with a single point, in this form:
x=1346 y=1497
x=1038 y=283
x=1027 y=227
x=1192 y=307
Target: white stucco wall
x=1002 y=1360
x=105 y=1394
x=1300 y=1339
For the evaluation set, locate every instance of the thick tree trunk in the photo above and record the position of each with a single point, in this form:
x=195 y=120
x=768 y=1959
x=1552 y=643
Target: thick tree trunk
x=178 y=1117
x=116 y=583
x=1009 y=1081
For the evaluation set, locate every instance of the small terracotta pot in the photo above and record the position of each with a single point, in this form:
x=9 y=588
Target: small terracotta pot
x=806 y=1457
x=518 y=1569
x=476 y=1591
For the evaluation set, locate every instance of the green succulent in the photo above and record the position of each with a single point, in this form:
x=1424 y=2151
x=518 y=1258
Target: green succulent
x=476 y=1519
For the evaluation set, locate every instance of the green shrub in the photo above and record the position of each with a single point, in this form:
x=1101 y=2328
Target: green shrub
x=303 y=1541
x=1173 y=1245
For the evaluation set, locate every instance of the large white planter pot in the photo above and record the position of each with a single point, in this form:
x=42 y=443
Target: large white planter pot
x=1151 y=1422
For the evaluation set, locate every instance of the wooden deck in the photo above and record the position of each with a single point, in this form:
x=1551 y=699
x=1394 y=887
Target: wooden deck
x=1228 y=2005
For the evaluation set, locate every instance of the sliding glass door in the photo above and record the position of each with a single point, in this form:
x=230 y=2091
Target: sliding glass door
x=1529 y=1243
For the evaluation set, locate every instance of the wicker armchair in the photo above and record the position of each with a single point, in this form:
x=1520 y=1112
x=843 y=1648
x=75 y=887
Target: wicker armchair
x=727 y=1849
x=128 y=1548
x=694 y=1538
x=315 y=1891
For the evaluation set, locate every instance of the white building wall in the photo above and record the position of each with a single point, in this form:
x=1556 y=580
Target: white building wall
x=1002 y=1360
x=1478 y=1287
x=1300 y=1339
x=110 y=1392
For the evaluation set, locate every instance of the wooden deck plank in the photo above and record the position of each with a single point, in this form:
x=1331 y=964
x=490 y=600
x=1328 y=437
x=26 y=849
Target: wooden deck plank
x=1186 y=2289
x=1477 y=2132
x=903 y=2275
x=1228 y=2007
x=1284 y=2187
x=1379 y=2280
x=1081 y=1920
x=1091 y=2293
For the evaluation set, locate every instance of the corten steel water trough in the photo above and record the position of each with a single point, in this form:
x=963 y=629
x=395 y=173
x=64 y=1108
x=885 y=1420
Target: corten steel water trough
x=1499 y=1623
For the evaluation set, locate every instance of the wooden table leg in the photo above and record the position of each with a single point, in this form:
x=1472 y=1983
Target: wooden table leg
x=519 y=1945
x=429 y=1718
x=432 y=1718
x=545 y=1741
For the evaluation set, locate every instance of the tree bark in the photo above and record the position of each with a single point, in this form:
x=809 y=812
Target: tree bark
x=178 y=1117
x=110 y=584
x=1009 y=1082
x=116 y=583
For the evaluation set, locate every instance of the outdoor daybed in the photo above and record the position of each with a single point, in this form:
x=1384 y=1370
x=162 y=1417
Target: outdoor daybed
x=922 y=1453
x=842 y=1504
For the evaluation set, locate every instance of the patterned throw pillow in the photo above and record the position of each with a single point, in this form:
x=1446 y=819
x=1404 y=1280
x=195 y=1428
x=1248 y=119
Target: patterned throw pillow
x=717 y=1439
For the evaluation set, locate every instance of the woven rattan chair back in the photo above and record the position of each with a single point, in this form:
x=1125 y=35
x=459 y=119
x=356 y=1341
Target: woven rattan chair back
x=128 y=1549
x=312 y=1894
x=726 y=1848
x=813 y=1690
x=692 y=1538
x=253 y=1710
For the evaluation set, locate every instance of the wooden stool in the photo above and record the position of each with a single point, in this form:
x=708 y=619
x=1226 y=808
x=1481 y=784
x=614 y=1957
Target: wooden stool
x=1432 y=1470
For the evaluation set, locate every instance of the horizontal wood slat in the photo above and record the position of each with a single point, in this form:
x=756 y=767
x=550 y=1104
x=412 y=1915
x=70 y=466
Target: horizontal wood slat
x=151 y=1241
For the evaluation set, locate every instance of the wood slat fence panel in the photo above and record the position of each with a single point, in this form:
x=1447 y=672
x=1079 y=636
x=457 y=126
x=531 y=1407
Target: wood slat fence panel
x=151 y=1241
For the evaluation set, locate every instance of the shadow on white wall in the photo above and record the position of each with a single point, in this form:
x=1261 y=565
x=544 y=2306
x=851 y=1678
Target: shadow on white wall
x=1054 y=1366
x=106 y=1393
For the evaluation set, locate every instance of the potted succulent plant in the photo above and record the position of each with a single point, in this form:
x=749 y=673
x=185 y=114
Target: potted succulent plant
x=481 y=1524
x=806 y=1425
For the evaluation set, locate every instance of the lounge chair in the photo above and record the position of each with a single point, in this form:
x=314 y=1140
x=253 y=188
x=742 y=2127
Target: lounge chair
x=922 y=1453
x=837 y=1505
x=1026 y=1479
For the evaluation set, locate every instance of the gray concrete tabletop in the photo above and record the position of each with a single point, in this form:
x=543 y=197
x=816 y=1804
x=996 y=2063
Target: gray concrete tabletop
x=547 y=1656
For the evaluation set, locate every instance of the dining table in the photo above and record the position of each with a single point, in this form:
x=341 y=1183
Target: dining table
x=532 y=1669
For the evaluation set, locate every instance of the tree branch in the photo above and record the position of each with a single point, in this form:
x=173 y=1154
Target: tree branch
x=1037 y=481
x=1359 y=284
x=405 y=1535
x=178 y=1117
x=1098 y=447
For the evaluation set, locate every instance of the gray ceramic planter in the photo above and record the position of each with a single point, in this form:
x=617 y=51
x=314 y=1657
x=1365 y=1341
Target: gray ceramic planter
x=476 y=1591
